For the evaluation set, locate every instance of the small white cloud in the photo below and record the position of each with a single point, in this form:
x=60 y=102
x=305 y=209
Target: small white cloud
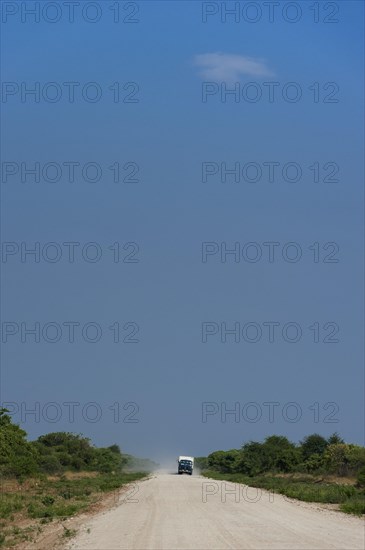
x=230 y=67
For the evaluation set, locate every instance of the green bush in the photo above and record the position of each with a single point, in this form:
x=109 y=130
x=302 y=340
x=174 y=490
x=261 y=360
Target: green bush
x=277 y=454
x=344 y=459
x=37 y=510
x=49 y=463
x=252 y=459
x=351 y=500
x=361 y=477
x=313 y=444
x=354 y=506
x=66 y=451
x=223 y=461
x=314 y=463
x=17 y=457
x=10 y=503
x=48 y=500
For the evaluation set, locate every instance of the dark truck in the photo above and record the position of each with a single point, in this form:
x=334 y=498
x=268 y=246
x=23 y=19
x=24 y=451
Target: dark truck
x=185 y=465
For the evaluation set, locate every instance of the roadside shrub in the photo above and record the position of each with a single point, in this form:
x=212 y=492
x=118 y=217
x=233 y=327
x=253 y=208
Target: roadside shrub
x=9 y=504
x=223 y=461
x=344 y=459
x=313 y=444
x=17 y=457
x=47 y=500
x=314 y=463
x=354 y=506
x=361 y=477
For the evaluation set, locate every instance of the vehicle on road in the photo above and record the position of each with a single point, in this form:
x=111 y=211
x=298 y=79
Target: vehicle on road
x=185 y=465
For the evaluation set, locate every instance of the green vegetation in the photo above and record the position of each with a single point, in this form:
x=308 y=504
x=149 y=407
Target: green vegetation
x=62 y=451
x=17 y=457
x=61 y=497
x=57 y=452
x=316 y=470
x=69 y=532
x=55 y=477
x=44 y=500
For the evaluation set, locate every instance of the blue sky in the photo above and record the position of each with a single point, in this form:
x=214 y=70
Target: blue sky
x=169 y=212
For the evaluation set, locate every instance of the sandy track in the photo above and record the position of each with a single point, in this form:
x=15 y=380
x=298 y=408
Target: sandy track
x=175 y=512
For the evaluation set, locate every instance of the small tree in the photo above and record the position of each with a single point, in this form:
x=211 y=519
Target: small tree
x=314 y=444
x=334 y=439
x=114 y=449
x=336 y=458
x=17 y=457
x=345 y=459
x=107 y=461
x=279 y=454
x=223 y=461
x=314 y=463
x=356 y=457
x=72 y=450
x=252 y=460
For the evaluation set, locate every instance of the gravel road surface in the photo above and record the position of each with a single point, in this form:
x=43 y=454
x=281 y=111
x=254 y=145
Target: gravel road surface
x=169 y=511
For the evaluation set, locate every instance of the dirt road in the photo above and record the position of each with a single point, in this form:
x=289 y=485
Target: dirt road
x=191 y=512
